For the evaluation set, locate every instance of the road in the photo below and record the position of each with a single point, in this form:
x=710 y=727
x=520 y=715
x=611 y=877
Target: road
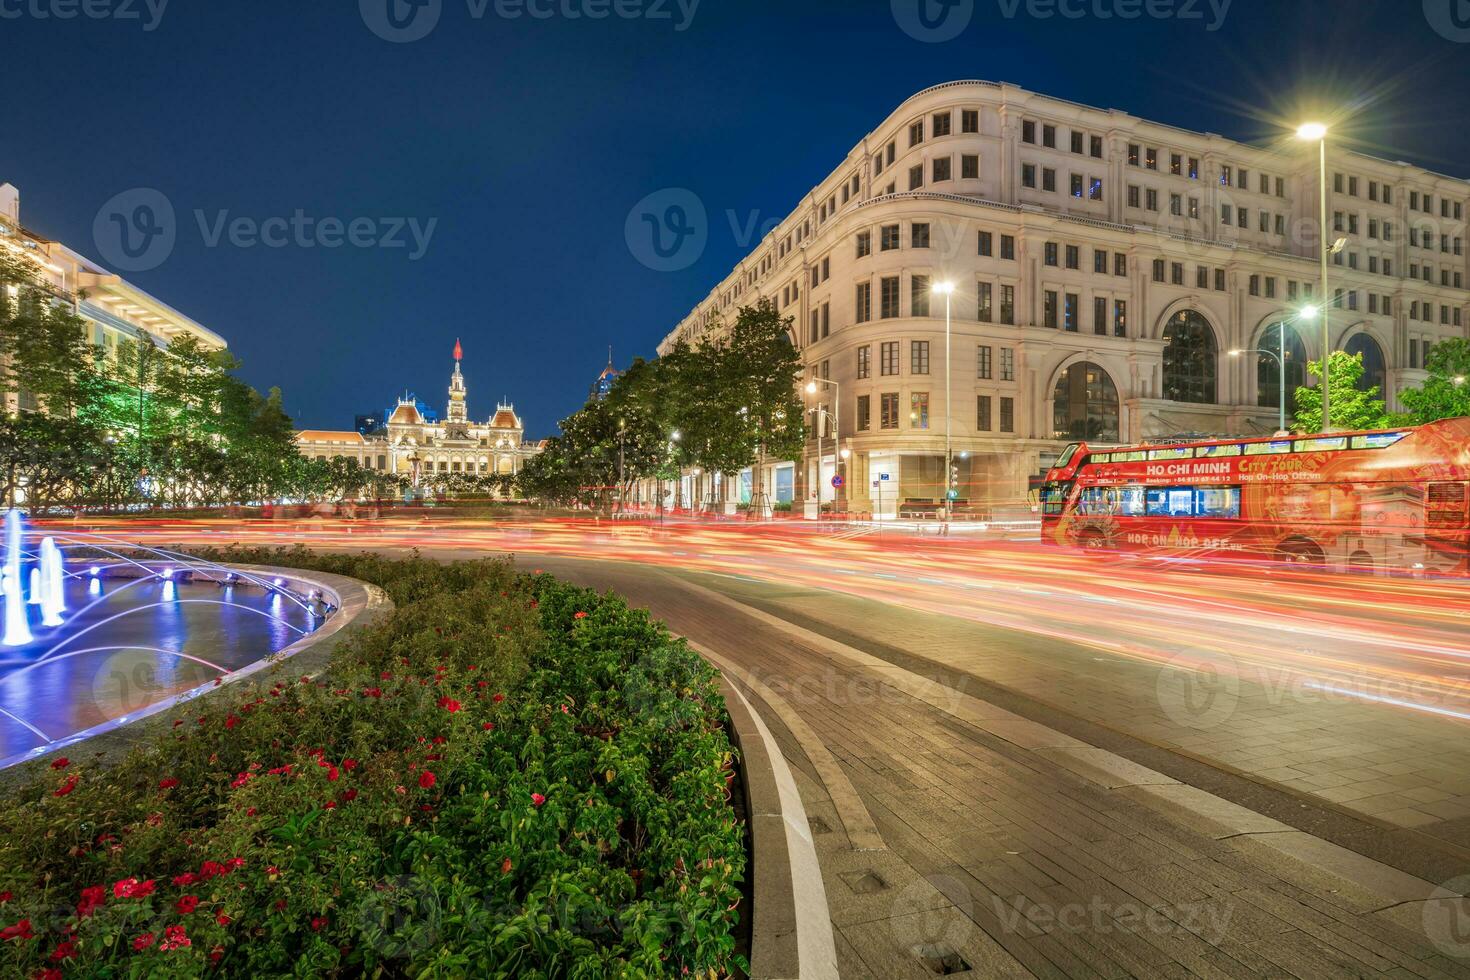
x=1335 y=705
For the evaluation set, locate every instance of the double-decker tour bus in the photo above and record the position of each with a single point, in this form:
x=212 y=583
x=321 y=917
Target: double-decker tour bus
x=1391 y=498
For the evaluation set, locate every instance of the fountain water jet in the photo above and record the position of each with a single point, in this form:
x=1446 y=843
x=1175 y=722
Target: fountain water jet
x=17 y=629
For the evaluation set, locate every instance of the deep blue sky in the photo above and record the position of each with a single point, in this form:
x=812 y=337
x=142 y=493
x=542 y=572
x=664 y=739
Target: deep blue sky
x=530 y=140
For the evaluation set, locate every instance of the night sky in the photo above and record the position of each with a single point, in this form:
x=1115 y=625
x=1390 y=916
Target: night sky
x=529 y=140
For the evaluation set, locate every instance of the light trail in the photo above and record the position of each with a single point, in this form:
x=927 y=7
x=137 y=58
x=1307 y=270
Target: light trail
x=1381 y=634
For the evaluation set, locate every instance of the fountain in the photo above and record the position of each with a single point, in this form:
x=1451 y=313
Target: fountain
x=127 y=631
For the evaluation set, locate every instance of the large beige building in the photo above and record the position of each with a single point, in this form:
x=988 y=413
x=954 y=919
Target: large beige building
x=417 y=448
x=114 y=309
x=1104 y=266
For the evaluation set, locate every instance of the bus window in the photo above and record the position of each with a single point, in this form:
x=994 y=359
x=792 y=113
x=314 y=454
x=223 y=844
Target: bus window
x=1066 y=456
x=1320 y=445
x=1130 y=501
x=1053 y=496
x=1180 y=453
x=1267 y=448
x=1111 y=501
x=1217 y=502
x=1136 y=456
x=1377 y=440
x=1207 y=452
x=1100 y=458
x=1170 y=502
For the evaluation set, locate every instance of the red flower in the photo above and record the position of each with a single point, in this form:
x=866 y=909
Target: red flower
x=449 y=704
x=498 y=698
x=61 y=763
x=505 y=866
x=66 y=787
x=64 y=950
x=489 y=726
x=222 y=919
x=168 y=783
x=537 y=799
x=349 y=764
x=240 y=780
x=565 y=709
x=21 y=930
x=231 y=721
x=580 y=615
x=186 y=879
x=132 y=888
x=426 y=780
x=331 y=805
x=186 y=904
x=5 y=897
x=235 y=863
x=49 y=973
x=174 y=937
x=349 y=796
x=143 y=941
x=92 y=899
x=317 y=923
x=333 y=774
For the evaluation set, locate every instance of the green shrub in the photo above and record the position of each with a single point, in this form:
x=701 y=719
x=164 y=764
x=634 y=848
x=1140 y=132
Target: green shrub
x=508 y=776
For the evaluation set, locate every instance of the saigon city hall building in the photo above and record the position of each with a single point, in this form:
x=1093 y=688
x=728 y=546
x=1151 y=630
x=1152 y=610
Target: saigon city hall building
x=1104 y=266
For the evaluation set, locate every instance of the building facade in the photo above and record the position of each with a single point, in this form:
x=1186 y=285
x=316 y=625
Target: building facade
x=416 y=447
x=1103 y=269
x=114 y=309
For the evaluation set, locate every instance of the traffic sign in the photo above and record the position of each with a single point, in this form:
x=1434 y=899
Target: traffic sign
x=837 y=480
x=877 y=484
x=882 y=476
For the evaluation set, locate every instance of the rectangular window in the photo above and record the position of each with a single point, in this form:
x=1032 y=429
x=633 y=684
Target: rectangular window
x=1077 y=141
x=1049 y=253
x=919 y=410
x=1133 y=193
x=888 y=406
x=1007 y=414
x=1049 y=309
x=1007 y=364
x=1028 y=175
x=982 y=413
x=1049 y=136
x=983 y=311
x=916 y=133
x=970 y=121
x=919 y=234
x=918 y=295
x=1194 y=168
x=1220 y=280
x=888 y=366
x=1176 y=273
x=1158 y=270
x=888 y=297
x=888 y=238
x=863 y=421
x=941 y=169
x=1074 y=257
x=983 y=362
x=1048 y=179
x=1028 y=131
x=864 y=244
x=916 y=176
x=1076 y=185
x=1133 y=154
x=919 y=357
x=826 y=321
x=969 y=166
x=1099 y=261
x=943 y=123
x=865 y=362
x=986 y=243
x=1007 y=246
x=1096 y=146
x=1120 y=318
x=863 y=307
x=1100 y=315
x=1120 y=264
x=1007 y=304
x=1069 y=312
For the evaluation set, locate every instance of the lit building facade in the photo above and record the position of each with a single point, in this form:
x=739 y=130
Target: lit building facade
x=114 y=309
x=1104 y=267
x=416 y=447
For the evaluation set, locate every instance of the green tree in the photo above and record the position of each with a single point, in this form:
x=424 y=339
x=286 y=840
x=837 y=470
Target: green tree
x=760 y=376
x=1352 y=407
x=1445 y=393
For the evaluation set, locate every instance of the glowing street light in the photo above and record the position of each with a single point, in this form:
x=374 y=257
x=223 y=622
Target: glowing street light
x=1317 y=131
x=946 y=289
x=811 y=389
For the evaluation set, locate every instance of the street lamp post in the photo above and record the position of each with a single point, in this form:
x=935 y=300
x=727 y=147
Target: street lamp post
x=946 y=289
x=1306 y=313
x=1318 y=132
x=837 y=457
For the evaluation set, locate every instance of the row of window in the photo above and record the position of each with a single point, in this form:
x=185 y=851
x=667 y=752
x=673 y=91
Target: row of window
x=888 y=361
x=1136 y=501
x=1383 y=194
x=888 y=412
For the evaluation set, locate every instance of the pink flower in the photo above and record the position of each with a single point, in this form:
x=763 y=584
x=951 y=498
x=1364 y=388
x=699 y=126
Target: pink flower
x=537 y=799
x=61 y=763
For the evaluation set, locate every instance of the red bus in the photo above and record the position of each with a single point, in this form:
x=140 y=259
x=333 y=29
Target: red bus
x=1391 y=498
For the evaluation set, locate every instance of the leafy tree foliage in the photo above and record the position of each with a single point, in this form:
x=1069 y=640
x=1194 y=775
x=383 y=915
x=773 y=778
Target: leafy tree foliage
x=1446 y=392
x=1352 y=408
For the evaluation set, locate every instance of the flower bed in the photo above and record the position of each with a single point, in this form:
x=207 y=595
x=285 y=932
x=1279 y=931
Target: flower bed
x=506 y=777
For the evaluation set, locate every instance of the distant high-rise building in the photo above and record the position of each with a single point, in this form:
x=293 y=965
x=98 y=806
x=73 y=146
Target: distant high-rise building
x=604 y=381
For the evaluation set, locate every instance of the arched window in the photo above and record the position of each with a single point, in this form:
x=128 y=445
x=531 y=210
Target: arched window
x=1085 y=404
x=1268 y=376
x=1375 y=371
x=1189 y=359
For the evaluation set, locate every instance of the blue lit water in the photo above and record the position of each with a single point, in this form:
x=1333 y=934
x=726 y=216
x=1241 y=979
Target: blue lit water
x=119 y=652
